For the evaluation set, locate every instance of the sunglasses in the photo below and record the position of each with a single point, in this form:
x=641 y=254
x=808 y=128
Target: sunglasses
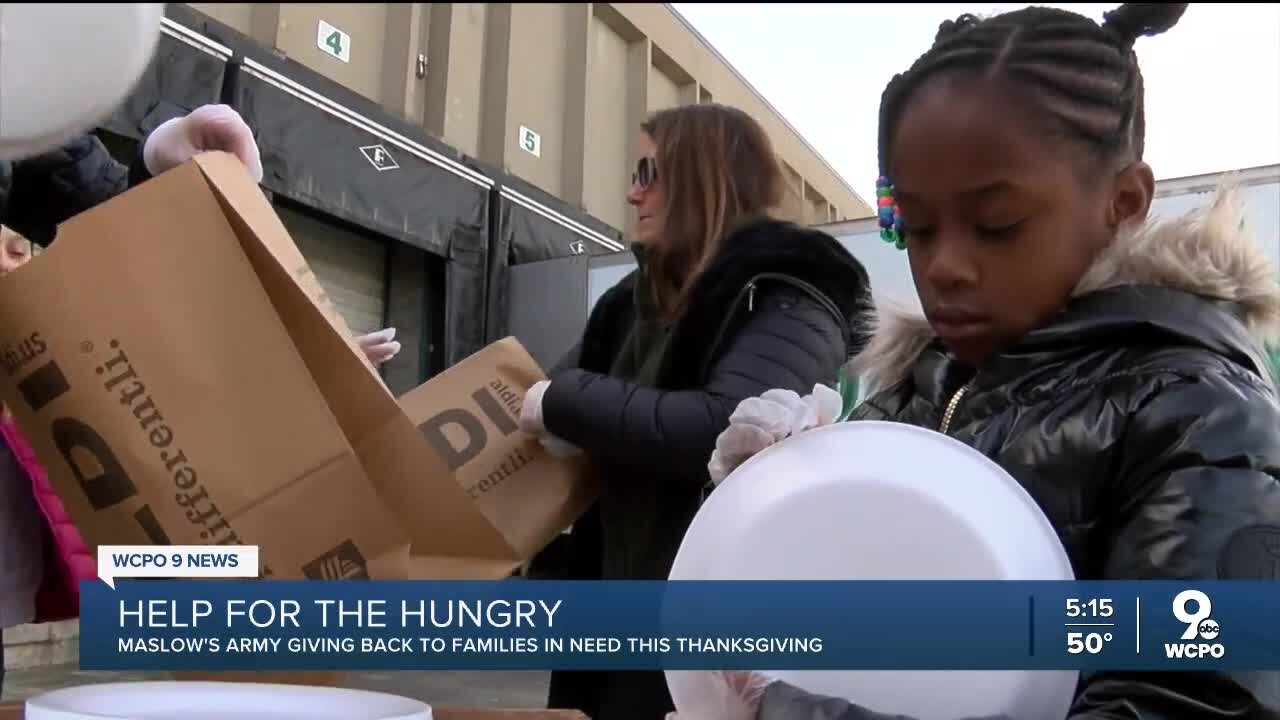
x=646 y=173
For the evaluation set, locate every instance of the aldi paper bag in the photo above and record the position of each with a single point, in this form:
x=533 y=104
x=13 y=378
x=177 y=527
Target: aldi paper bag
x=468 y=417
x=184 y=380
x=167 y=400
x=454 y=533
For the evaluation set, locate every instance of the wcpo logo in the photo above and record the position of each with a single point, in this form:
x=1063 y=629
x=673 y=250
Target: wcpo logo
x=1202 y=629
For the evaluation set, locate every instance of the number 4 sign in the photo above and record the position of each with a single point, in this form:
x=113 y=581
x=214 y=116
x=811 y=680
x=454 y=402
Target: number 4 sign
x=334 y=42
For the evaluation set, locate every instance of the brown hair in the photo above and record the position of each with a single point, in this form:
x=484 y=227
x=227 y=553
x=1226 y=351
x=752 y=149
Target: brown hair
x=717 y=169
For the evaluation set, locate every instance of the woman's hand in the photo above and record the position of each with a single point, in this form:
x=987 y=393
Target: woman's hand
x=531 y=408
x=205 y=129
x=760 y=422
x=531 y=422
x=379 y=346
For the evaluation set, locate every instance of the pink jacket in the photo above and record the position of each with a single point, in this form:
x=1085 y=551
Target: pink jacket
x=71 y=561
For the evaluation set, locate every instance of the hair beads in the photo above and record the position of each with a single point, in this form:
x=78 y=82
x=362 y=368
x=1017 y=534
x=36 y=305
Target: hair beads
x=890 y=217
x=1084 y=78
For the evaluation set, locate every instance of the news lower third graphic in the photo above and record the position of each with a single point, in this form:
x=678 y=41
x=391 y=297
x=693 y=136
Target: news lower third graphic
x=176 y=561
x=131 y=622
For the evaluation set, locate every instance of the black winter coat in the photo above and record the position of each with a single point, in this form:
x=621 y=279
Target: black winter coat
x=40 y=192
x=1142 y=420
x=780 y=306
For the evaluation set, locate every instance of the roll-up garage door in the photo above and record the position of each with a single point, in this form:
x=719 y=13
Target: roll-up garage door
x=334 y=153
x=351 y=266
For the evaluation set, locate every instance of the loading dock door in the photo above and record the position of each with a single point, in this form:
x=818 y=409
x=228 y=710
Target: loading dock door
x=329 y=152
x=551 y=300
x=351 y=266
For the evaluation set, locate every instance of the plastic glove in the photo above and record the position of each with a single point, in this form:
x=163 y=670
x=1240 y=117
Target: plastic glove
x=531 y=409
x=558 y=448
x=735 y=696
x=760 y=422
x=826 y=404
x=531 y=422
x=207 y=128
x=379 y=346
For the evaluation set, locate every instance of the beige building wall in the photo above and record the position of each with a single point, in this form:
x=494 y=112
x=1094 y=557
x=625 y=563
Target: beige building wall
x=608 y=139
x=296 y=35
x=455 y=72
x=663 y=91
x=536 y=93
x=236 y=15
x=551 y=92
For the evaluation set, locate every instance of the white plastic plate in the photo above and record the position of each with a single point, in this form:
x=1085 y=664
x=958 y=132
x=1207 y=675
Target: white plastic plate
x=176 y=700
x=66 y=66
x=880 y=501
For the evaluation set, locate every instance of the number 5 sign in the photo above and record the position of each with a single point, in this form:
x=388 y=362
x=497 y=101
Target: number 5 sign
x=530 y=141
x=334 y=42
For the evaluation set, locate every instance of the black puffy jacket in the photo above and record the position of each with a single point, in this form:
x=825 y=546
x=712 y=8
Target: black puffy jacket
x=1143 y=421
x=780 y=306
x=38 y=193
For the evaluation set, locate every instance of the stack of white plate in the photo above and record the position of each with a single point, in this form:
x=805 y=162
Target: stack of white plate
x=879 y=501
x=174 y=700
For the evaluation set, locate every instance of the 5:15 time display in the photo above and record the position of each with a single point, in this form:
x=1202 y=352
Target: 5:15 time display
x=1094 y=608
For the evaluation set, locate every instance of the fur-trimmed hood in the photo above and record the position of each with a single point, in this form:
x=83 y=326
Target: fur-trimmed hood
x=780 y=248
x=763 y=247
x=1209 y=252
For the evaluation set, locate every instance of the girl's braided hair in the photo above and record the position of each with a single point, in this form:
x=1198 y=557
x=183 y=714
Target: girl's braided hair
x=1082 y=75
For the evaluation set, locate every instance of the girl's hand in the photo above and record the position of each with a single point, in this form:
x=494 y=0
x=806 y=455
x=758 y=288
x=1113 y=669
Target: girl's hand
x=379 y=346
x=760 y=422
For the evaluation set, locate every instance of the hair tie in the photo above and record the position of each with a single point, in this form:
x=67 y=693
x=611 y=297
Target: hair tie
x=890 y=216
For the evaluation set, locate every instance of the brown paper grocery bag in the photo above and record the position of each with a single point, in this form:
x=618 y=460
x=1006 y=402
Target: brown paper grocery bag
x=468 y=416
x=169 y=403
x=184 y=380
x=455 y=531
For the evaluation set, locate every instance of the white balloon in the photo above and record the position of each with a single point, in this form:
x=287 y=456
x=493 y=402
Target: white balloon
x=66 y=67
x=879 y=501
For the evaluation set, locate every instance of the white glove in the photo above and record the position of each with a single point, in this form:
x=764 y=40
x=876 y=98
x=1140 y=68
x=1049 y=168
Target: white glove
x=207 y=128
x=759 y=422
x=531 y=409
x=735 y=696
x=558 y=448
x=531 y=422
x=379 y=346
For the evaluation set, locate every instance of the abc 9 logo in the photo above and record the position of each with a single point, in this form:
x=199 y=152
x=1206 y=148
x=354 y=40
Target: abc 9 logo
x=1199 y=624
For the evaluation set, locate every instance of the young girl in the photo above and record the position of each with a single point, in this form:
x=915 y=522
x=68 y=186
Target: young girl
x=1112 y=366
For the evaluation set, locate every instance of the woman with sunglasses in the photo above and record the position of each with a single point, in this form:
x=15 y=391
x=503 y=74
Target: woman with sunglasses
x=726 y=303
